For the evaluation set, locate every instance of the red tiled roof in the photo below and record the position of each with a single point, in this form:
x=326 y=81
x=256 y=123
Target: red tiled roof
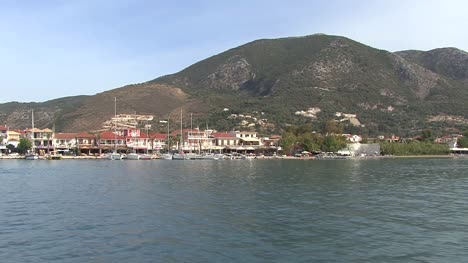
x=84 y=135
x=111 y=136
x=219 y=135
x=159 y=136
x=3 y=128
x=19 y=131
x=65 y=136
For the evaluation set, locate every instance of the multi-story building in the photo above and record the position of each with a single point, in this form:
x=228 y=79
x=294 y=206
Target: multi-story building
x=109 y=141
x=135 y=141
x=158 y=142
x=247 y=138
x=3 y=139
x=86 y=143
x=194 y=140
x=13 y=138
x=41 y=139
x=225 y=139
x=64 y=142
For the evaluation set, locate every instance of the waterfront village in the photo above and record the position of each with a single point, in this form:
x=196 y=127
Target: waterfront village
x=121 y=136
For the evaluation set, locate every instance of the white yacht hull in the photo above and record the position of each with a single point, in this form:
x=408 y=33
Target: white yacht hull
x=133 y=156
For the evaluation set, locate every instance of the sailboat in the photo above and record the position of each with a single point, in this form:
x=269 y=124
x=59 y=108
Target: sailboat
x=146 y=155
x=180 y=155
x=168 y=155
x=32 y=155
x=114 y=155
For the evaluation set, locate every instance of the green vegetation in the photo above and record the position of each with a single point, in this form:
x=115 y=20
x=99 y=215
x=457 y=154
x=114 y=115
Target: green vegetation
x=463 y=141
x=304 y=138
x=24 y=145
x=413 y=148
x=282 y=76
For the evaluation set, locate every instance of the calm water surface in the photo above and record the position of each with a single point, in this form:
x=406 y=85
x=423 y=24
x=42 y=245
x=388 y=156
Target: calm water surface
x=234 y=211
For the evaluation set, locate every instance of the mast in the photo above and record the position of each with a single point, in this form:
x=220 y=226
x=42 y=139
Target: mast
x=190 y=133
x=32 y=132
x=115 y=124
x=181 y=133
x=147 y=138
x=168 y=141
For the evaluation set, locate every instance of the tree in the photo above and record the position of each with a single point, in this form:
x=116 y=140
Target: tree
x=10 y=147
x=311 y=142
x=462 y=142
x=333 y=143
x=288 y=142
x=24 y=145
x=426 y=135
x=333 y=127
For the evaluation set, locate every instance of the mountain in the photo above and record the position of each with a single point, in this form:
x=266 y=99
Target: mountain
x=272 y=83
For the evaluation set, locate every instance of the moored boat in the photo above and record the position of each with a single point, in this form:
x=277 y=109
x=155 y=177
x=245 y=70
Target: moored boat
x=146 y=156
x=54 y=157
x=179 y=156
x=165 y=156
x=31 y=157
x=113 y=156
x=133 y=156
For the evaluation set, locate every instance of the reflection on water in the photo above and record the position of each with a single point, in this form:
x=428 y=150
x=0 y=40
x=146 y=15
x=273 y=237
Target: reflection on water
x=234 y=211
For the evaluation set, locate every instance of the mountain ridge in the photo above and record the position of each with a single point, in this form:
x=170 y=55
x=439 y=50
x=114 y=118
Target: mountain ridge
x=399 y=92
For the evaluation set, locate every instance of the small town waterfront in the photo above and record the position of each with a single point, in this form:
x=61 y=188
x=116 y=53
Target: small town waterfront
x=234 y=211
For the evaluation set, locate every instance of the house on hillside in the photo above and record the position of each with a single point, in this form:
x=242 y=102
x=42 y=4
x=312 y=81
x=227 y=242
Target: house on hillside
x=353 y=138
x=451 y=140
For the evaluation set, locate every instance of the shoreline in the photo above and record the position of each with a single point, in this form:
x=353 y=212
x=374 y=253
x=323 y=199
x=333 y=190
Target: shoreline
x=276 y=157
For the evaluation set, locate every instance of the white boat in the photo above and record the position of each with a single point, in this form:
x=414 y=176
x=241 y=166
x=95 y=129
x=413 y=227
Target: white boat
x=166 y=156
x=133 y=156
x=179 y=156
x=207 y=157
x=113 y=156
x=146 y=156
x=31 y=157
x=219 y=156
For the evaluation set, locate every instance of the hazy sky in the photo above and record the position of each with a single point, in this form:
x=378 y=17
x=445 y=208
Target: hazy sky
x=51 y=49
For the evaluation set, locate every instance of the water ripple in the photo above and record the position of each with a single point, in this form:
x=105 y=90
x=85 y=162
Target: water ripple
x=234 y=211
